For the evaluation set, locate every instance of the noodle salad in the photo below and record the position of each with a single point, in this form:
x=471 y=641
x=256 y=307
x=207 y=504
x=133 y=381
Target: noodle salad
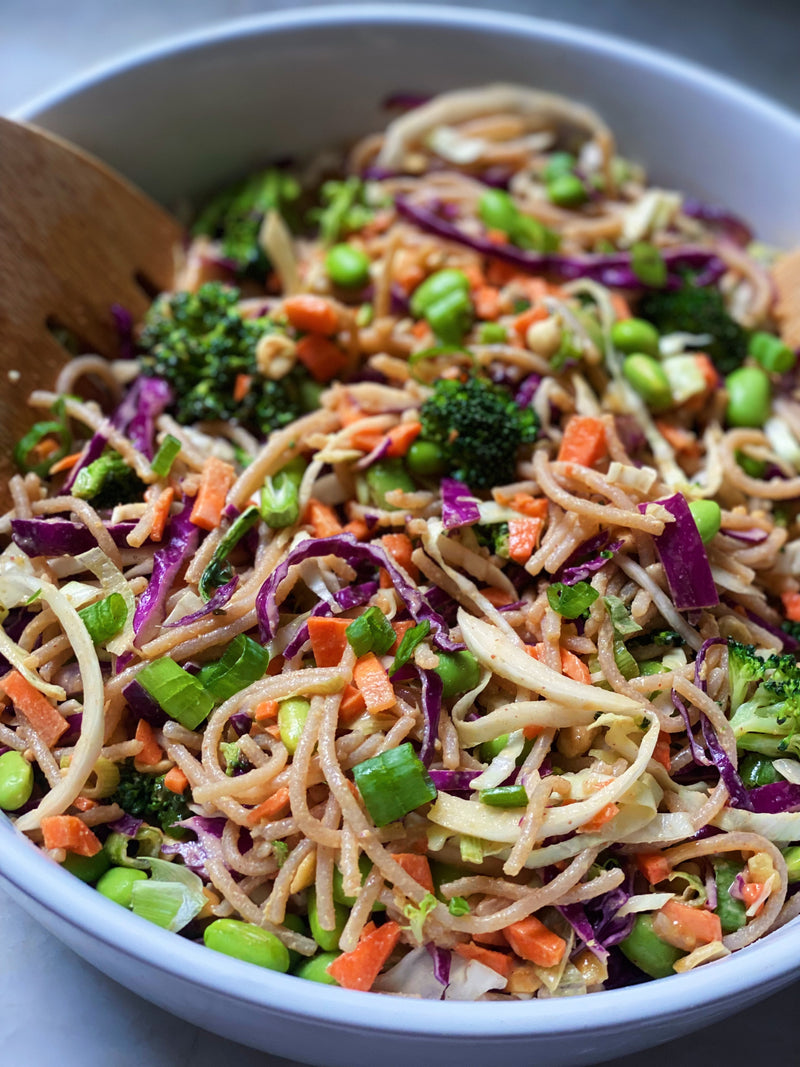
x=413 y=605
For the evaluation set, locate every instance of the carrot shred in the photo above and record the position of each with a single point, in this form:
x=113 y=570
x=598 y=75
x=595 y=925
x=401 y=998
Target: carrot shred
x=402 y=437
x=677 y=437
x=359 y=969
x=530 y=732
x=574 y=668
x=653 y=865
x=323 y=359
x=399 y=547
x=371 y=679
x=366 y=440
x=328 y=640
x=311 y=314
x=523 y=322
x=486 y=299
x=348 y=410
x=270 y=808
x=598 y=821
x=417 y=866
x=751 y=891
x=532 y=506
x=686 y=927
x=70 y=833
x=491 y=937
x=266 y=710
x=499 y=597
x=791 y=605
x=584 y=441
x=161 y=513
x=400 y=628
x=352 y=705
x=46 y=720
x=622 y=308
x=496 y=961
x=531 y=940
x=500 y=273
x=241 y=387
x=661 y=753
x=176 y=781
x=66 y=463
x=322 y=519
x=84 y=803
x=523 y=537
x=216 y=479
x=358 y=528
x=151 y=752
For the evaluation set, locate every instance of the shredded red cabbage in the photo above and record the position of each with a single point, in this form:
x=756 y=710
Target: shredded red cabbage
x=378 y=452
x=699 y=680
x=577 y=919
x=739 y=796
x=775 y=797
x=524 y=395
x=586 y=559
x=91 y=452
x=431 y=709
x=219 y=599
x=441 y=963
x=301 y=637
x=719 y=219
x=698 y=754
x=683 y=557
x=123 y=323
x=183 y=537
x=353 y=596
x=62 y=537
x=127 y=825
x=750 y=537
x=142 y=704
x=459 y=507
x=452 y=781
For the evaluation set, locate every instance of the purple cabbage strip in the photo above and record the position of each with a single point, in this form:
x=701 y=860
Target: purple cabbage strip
x=431 y=709
x=512 y=607
x=123 y=323
x=719 y=219
x=219 y=599
x=698 y=754
x=91 y=452
x=62 y=537
x=453 y=781
x=608 y=929
x=496 y=176
x=524 y=395
x=739 y=796
x=613 y=270
x=302 y=636
x=458 y=505
x=241 y=722
x=202 y=824
x=699 y=681
x=755 y=536
x=577 y=919
x=127 y=825
x=353 y=596
x=683 y=556
x=142 y=704
x=153 y=396
x=586 y=559
x=441 y=963
x=353 y=552
x=193 y=853
x=183 y=537
x=775 y=797
x=378 y=452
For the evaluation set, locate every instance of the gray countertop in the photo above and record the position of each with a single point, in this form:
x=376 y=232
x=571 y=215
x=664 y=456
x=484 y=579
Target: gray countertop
x=90 y=1021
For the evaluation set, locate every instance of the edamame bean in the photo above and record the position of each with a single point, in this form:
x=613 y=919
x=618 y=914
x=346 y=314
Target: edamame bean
x=16 y=781
x=498 y=211
x=292 y=715
x=450 y=317
x=748 y=397
x=244 y=941
x=328 y=940
x=435 y=287
x=492 y=333
x=771 y=352
x=384 y=476
x=118 y=882
x=648 y=379
x=707 y=518
x=792 y=857
x=731 y=911
x=364 y=866
x=426 y=459
x=647 y=951
x=459 y=672
x=87 y=868
x=347 y=266
x=316 y=969
x=566 y=190
x=635 y=335
x=559 y=163
x=298 y=925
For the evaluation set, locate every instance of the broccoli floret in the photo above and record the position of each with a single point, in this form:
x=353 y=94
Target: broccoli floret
x=494 y=537
x=234 y=217
x=694 y=310
x=343 y=209
x=768 y=719
x=146 y=797
x=108 y=481
x=791 y=628
x=479 y=429
x=745 y=666
x=200 y=344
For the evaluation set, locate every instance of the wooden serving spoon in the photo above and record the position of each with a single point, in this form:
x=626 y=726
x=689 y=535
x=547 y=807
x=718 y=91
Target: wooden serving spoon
x=75 y=238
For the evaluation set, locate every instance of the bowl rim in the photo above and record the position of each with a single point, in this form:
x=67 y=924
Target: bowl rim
x=35 y=877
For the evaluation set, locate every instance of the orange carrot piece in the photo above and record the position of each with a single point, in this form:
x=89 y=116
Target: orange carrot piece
x=399 y=547
x=791 y=605
x=70 y=833
x=320 y=356
x=402 y=437
x=66 y=463
x=661 y=754
x=176 y=781
x=532 y=506
x=328 y=640
x=686 y=927
x=530 y=732
x=498 y=597
x=598 y=821
x=270 y=808
x=352 y=705
x=322 y=519
x=217 y=478
x=400 y=629
x=84 y=803
x=371 y=679
x=311 y=314
x=151 y=750
x=708 y=370
x=500 y=273
x=358 y=528
x=491 y=937
x=751 y=891
x=683 y=441
x=523 y=322
x=241 y=387
x=409 y=277
x=417 y=866
x=523 y=537
x=266 y=710
x=273 y=731
x=359 y=969
x=161 y=513
x=531 y=940
x=653 y=865
x=486 y=299
x=574 y=668
x=348 y=410
x=46 y=720
x=496 y=961
x=366 y=440
x=622 y=308
x=584 y=441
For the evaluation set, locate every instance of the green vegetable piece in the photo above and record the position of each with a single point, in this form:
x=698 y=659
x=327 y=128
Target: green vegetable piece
x=626 y=664
x=105 y=618
x=647 y=951
x=435 y=288
x=87 y=868
x=792 y=857
x=426 y=459
x=649 y=380
x=489 y=749
x=648 y=265
x=383 y=477
x=748 y=397
x=343 y=209
x=652 y=666
x=459 y=671
x=751 y=466
x=450 y=317
x=498 y=211
x=176 y=691
x=393 y=784
x=34 y=436
x=16 y=781
x=245 y=941
x=458 y=906
x=144 y=796
x=371 y=632
x=166 y=456
x=755 y=770
x=243 y=662
x=707 y=517
x=505 y=796
x=492 y=333
x=328 y=940
x=118 y=882
x=559 y=163
x=219 y=571
x=298 y=924
x=347 y=266
x=107 y=482
x=364 y=866
x=771 y=353
x=571 y=601
x=316 y=969
x=280 y=495
x=621 y=618
x=731 y=911
x=566 y=190
x=698 y=311
x=635 y=335
x=292 y=715
x=411 y=638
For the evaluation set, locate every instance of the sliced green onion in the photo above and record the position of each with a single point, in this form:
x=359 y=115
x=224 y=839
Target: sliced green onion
x=393 y=784
x=148 y=842
x=243 y=662
x=411 y=638
x=621 y=618
x=176 y=691
x=505 y=796
x=471 y=849
x=492 y=333
x=626 y=664
x=166 y=456
x=166 y=904
x=32 y=438
x=571 y=600
x=219 y=571
x=648 y=264
x=105 y=618
x=458 y=907
x=280 y=496
x=371 y=632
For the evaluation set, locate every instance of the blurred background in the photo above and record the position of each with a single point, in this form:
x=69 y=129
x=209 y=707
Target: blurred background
x=88 y=1021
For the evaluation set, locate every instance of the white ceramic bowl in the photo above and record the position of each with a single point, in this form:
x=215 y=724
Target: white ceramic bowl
x=180 y=118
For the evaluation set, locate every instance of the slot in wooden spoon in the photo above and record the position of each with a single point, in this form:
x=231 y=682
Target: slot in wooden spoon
x=75 y=238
